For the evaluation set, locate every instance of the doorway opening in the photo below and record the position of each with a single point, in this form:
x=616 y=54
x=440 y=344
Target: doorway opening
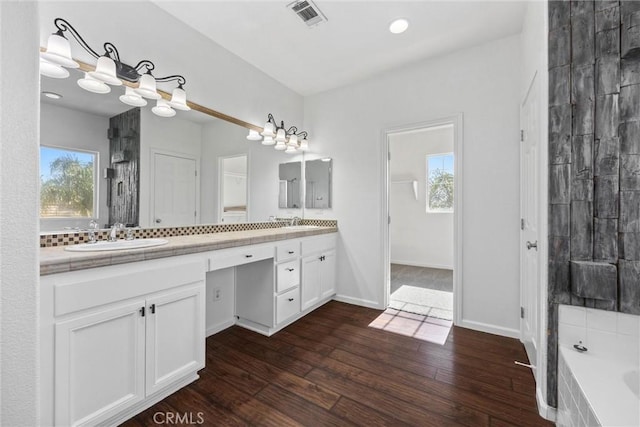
x=233 y=192
x=422 y=254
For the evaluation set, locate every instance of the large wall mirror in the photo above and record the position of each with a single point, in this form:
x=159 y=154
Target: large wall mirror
x=175 y=174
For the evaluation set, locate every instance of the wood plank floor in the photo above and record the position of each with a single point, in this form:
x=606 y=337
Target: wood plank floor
x=330 y=369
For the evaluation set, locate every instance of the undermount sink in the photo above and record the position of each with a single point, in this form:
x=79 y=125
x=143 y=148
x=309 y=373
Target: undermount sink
x=116 y=246
x=301 y=227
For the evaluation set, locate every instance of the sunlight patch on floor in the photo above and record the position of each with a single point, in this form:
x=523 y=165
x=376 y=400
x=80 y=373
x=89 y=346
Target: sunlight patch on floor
x=418 y=326
x=427 y=302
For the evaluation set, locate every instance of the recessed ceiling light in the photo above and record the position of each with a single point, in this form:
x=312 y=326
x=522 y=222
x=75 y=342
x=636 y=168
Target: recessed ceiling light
x=52 y=95
x=399 y=26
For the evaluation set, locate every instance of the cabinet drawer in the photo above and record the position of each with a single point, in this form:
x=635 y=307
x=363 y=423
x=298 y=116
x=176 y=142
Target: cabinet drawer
x=288 y=275
x=287 y=250
x=287 y=305
x=318 y=244
x=238 y=256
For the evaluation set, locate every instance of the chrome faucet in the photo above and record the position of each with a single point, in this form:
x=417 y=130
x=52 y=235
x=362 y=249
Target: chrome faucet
x=295 y=221
x=93 y=226
x=113 y=234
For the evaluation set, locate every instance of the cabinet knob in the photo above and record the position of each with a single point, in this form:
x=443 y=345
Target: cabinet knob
x=248 y=256
x=290 y=269
x=290 y=299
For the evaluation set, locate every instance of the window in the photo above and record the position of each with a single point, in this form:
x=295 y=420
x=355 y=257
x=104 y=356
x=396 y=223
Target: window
x=67 y=183
x=440 y=183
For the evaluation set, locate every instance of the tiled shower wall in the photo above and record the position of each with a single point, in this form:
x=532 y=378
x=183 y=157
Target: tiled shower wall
x=594 y=161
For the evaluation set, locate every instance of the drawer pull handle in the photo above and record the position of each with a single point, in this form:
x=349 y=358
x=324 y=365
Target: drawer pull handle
x=153 y=308
x=248 y=256
x=290 y=299
x=291 y=252
x=141 y=311
x=290 y=269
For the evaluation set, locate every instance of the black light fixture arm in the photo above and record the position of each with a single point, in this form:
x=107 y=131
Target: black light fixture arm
x=150 y=66
x=112 y=52
x=180 y=79
x=303 y=134
x=62 y=26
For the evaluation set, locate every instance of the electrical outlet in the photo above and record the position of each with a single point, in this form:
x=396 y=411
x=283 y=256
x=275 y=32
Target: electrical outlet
x=217 y=294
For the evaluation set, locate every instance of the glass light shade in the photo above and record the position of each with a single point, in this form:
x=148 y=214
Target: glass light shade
x=93 y=85
x=106 y=71
x=132 y=98
x=179 y=99
x=293 y=141
x=253 y=135
x=280 y=146
x=163 y=109
x=281 y=136
x=290 y=149
x=268 y=130
x=304 y=145
x=399 y=26
x=59 y=52
x=268 y=140
x=147 y=87
x=50 y=69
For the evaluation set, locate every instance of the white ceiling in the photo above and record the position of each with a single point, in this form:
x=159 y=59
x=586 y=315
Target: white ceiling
x=355 y=42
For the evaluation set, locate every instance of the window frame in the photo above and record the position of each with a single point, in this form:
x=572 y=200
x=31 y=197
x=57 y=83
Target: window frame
x=72 y=221
x=428 y=208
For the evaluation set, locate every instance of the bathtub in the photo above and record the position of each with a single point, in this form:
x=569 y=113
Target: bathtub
x=600 y=387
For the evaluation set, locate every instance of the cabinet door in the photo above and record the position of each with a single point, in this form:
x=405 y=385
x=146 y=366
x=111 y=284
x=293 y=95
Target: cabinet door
x=328 y=273
x=99 y=364
x=175 y=336
x=310 y=286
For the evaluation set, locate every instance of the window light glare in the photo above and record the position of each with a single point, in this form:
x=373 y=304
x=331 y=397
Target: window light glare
x=399 y=26
x=52 y=95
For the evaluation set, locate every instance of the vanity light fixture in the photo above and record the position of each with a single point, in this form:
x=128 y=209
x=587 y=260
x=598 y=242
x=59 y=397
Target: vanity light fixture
x=110 y=71
x=287 y=140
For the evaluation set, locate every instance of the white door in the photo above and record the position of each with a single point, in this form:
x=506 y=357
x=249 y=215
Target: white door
x=328 y=266
x=174 y=191
x=529 y=234
x=311 y=281
x=175 y=336
x=99 y=364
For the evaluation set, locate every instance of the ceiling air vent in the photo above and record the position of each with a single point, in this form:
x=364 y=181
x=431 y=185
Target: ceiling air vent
x=308 y=12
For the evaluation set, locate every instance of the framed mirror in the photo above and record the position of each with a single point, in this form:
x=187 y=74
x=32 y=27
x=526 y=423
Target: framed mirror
x=317 y=177
x=289 y=185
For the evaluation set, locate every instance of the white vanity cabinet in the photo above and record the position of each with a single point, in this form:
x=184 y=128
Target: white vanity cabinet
x=318 y=270
x=118 y=339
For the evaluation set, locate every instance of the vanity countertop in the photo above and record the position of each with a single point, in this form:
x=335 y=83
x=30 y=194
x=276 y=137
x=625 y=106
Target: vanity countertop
x=57 y=260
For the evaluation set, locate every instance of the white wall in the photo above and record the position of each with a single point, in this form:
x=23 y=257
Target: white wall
x=483 y=84
x=66 y=128
x=418 y=237
x=221 y=139
x=173 y=135
x=19 y=200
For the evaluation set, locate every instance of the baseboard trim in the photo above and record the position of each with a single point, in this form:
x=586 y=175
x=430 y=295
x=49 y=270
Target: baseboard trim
x=418 y=264
x=491 y=329
x=219 y=327
x=547 y=412
x=359 y=301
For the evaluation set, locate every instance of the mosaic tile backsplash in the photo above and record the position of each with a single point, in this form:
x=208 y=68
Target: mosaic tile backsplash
x=74 y=237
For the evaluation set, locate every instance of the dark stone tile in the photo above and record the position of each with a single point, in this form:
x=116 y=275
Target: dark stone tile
x=629 y=72
x=559 y=80
x=606 y=4
x=552 y=354
x=582 y=190
x=629 y=105
x=629 y=244
x=581 y=157
x=630 y=172
x=607 y=153
x=558 y=278
x=605 y=240
x=579 y=7
x=559 y=14
x=629 y=6
x=560 y=134
x=559 y=249
x=601 y=304
x=630 y=211
x=607 y=116
x=607 y=19
x=629 y=137
x=608 y=43
x=607 y=75
x=606 y=190
x=559 y=220
x=596 y=280
x=630 y=35
x=582 y=83
x=559 y=47
x=559 y=184
x=583 y=39
x=581 y=231
x=629 y=286
x=583 y=117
